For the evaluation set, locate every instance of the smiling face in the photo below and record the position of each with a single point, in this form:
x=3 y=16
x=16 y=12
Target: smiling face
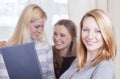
x=36 y=28
x=91 y=35
x=62 y=38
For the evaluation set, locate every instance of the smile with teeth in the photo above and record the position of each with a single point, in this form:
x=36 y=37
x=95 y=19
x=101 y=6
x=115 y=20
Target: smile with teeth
x=90 y=42
x=58 y=43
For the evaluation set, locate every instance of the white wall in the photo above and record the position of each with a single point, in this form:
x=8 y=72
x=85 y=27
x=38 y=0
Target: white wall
x=102 y=4
x=77 y=8
x=114 y=10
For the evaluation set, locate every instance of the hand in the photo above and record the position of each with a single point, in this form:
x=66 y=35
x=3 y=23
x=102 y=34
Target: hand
x=3 y=44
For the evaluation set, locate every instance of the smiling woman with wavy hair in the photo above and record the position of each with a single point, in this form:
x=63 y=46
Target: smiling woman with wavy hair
x=96 y=48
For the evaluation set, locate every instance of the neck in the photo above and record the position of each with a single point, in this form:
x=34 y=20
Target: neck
x=91 y=55
x=63 y=52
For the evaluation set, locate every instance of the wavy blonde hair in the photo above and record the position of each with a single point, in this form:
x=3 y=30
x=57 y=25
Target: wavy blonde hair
x=30 y=14
x=108 y=51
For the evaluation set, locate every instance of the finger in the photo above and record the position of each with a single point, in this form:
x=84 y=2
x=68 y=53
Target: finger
x=3 y=43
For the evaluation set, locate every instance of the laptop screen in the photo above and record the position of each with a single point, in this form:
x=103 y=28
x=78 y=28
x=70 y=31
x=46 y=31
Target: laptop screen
x=22 y=61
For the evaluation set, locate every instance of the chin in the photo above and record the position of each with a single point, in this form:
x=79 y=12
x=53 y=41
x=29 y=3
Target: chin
x=91 y=48
x=35 y=38
x=58 y=47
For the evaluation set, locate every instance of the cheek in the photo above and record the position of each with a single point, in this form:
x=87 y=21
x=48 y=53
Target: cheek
x=31 y=33
x=83 y=36
x=53 y=38
x=99 y=37
x=31 y=29
x=102 y=41
x=68 y=40
x=42 y=29
x=83 y=39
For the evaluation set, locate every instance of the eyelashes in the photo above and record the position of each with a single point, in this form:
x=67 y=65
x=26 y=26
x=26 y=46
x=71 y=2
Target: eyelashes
x=88 y=30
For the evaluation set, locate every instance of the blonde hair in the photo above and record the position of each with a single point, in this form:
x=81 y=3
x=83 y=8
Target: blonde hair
x=30 y=14
x=108 y=51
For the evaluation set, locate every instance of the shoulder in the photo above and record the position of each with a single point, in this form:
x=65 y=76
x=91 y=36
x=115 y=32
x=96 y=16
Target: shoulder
x=42 y=45
x=104 y=70
x=106 y=64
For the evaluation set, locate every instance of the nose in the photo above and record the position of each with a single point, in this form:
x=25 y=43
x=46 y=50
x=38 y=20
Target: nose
x=56 y=37
x=40 y=29
x=91 y=35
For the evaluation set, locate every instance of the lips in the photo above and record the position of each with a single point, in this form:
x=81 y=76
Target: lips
x=36 y=35
x=90 y=42
x=58 y=43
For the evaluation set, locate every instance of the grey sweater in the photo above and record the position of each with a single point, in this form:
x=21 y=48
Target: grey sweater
x=104 y=70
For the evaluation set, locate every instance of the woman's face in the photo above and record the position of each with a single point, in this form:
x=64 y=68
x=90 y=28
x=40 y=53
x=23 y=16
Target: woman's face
x=91 y=35
x=62 y=38
x=36 y=28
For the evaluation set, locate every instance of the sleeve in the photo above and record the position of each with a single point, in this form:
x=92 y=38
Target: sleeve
x=3 y=70
x=104 y=71
x=50 y=73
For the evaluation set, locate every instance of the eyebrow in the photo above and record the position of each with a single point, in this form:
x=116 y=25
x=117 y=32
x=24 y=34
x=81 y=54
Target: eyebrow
x=84 y=27
x=95 y=28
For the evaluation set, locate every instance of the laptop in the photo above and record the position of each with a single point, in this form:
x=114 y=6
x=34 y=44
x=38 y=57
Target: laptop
x=22 y=61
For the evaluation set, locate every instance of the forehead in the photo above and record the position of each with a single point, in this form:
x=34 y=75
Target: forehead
x=61 y=29
x=39 y=21
x=90 y=22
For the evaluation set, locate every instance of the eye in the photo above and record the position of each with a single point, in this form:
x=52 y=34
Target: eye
x=62 y=35
x=98 y=31
x=39 y=26
x=55 y=34
x=36 y=26
x=85 y=29
x=42 y=26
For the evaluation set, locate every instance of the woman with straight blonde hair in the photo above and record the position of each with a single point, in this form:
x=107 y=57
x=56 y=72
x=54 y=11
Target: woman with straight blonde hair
x=30 y=27
x=96 y=50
